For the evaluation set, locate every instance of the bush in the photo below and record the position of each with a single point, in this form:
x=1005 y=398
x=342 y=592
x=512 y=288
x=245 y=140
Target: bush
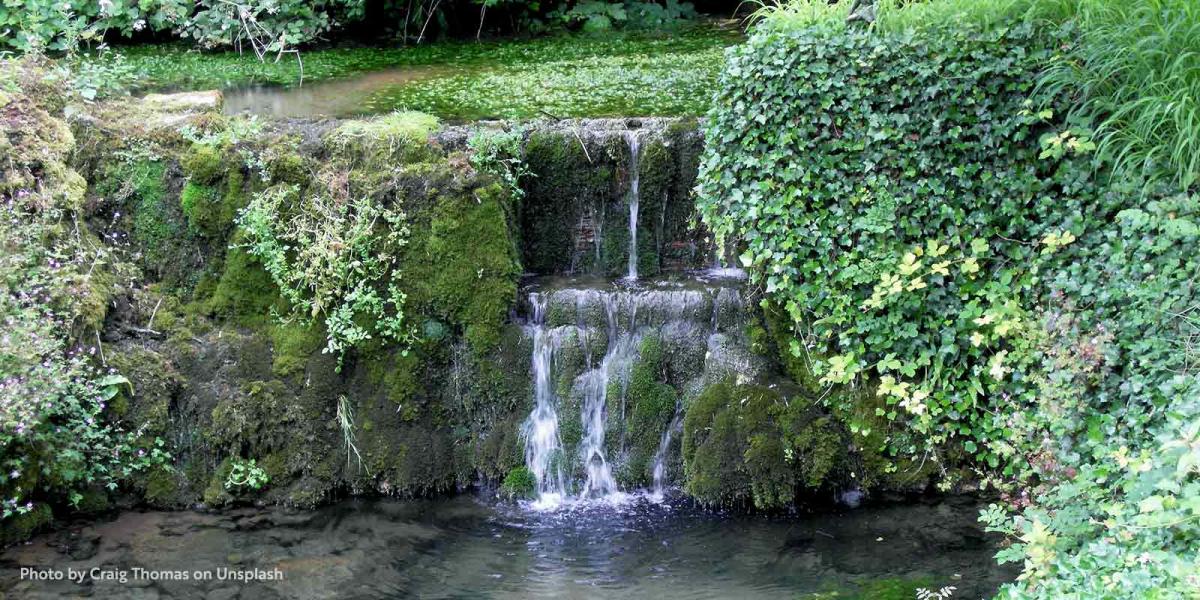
x=938 y=237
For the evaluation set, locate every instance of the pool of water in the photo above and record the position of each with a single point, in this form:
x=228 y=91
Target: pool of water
x=464 y=547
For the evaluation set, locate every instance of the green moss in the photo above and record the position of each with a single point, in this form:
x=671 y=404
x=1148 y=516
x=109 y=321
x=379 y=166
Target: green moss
x=889 y=589
x=519 y=483
x=463 y=268
x=92 y=501
x=209 y=210
x=401 y=137
x=565 y=184
x=215 y=493
x=203 y=164
x=162 y=487
x=21 y=527
x=744 y=443
x=245 y=291
x=200 y=205
x=651 y=406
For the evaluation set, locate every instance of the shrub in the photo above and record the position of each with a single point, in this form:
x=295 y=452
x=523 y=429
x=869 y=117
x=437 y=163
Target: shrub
x=985 y=263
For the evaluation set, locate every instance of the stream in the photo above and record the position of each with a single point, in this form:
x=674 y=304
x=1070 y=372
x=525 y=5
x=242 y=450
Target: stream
x=468 y=547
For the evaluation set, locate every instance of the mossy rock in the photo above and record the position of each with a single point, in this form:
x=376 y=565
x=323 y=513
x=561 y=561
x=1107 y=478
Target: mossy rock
x=203 y=164
x=401 y=137
x=245 y=291
x=21 y=527
x=519 y=483
x=750 y=444
x=462 y=266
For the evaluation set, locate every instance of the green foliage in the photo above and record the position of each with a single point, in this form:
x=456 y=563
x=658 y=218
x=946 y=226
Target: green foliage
x=599 y=16
x=940 y=241
x=245 y=475
x=1133 y=70
x=65 y=25
x=498 y=153
x=900 y=246
x=333 y=259
x=519 y=483
x=56 y=441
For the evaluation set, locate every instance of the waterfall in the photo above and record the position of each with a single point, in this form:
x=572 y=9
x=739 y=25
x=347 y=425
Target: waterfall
x=586 y=338
x=622 y=349
x=543 y=447
x=660 y=456
x=631 y=138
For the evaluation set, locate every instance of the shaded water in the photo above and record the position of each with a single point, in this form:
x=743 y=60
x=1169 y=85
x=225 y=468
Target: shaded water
x=462 y=547
x=343 y=97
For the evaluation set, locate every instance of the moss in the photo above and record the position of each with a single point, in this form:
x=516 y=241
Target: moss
x=199 y=203
x=93 y=501
x=564 y=187
x=21 y=527
x=401 y=137
x=211 y=211
x=202 y=164
x=284 y=166
x=162 y=488
x=463 y=267
x=744 y=443
x=215 y=493
x=519 y=483
x=245 y=291
x=888 y=589
x=651 y=406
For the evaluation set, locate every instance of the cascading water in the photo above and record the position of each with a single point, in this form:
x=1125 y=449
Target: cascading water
x=587 y=337
x=543 y=447
x=659 y=472
x=634 y=142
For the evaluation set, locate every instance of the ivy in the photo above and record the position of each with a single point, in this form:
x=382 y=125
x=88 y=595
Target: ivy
x=971 y=261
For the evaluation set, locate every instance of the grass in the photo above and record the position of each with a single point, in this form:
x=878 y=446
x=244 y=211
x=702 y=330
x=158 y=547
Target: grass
x=564 y=75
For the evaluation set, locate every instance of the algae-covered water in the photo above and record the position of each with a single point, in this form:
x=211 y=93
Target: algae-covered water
x=664 y=74
x=465 y=547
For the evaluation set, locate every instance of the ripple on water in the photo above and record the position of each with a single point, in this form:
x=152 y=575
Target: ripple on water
x=639 y=546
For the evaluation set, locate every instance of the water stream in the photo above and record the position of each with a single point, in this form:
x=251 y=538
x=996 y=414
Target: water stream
x=634 y=143
x=465 y=547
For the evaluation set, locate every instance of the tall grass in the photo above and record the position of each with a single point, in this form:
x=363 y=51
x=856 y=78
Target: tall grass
x=1134 y=73
x=1131 y=70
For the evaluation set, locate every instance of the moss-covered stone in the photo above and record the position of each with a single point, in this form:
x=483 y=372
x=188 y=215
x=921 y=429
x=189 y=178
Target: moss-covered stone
x=462 y=265
x=651 y=404
x=244 y=293
x=203 y=164
x=746 y=443
x=519 y=483
x=21 y=527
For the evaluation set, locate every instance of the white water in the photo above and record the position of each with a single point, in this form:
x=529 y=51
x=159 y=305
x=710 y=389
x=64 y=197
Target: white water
x=597 y=333
x=622 y=349
x=631 y=138
x=660 y=456
x=543 y=446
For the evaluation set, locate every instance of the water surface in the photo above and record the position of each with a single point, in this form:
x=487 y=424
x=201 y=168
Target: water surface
x=463 y=547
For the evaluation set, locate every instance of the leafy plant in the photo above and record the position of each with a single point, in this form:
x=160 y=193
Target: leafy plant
x=245 y=475
x=498 y=153
x=334 y=259
x=945 y=235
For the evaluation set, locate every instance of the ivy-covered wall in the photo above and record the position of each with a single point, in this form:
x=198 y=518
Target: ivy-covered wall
x=949 y=265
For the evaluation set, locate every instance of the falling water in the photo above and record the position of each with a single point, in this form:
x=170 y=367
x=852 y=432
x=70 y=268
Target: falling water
x=660 y=456
x=622 y=349
x=594 y=335
x=543 y=446
x=631 y=137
